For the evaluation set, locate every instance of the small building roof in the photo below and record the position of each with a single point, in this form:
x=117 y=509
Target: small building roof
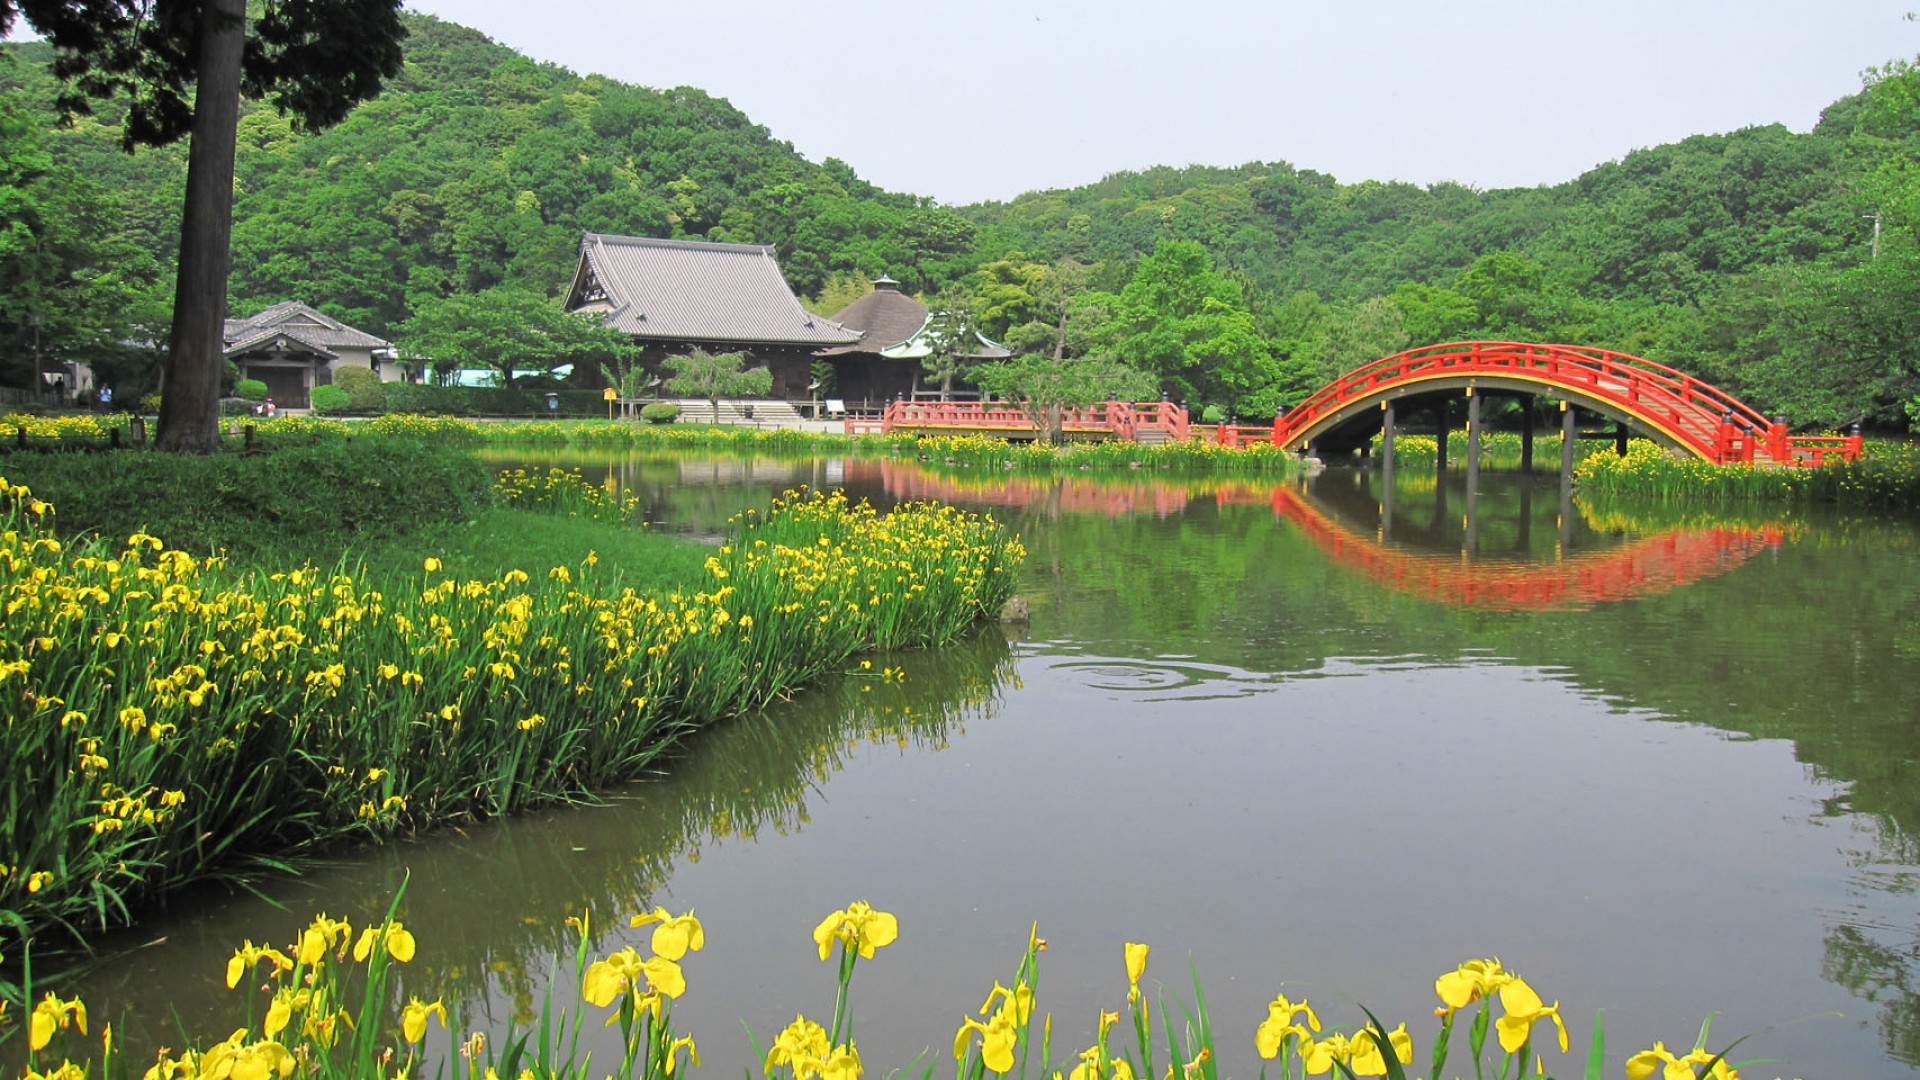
x=296 y=322
x=884 y=317
x=919 y=345
x=695 y=291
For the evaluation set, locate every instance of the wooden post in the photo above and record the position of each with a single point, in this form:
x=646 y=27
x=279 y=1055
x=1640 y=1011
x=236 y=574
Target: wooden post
x=1440 y=421
x=139 y=431
x=1473 y=440
x=1386 y=443
x=1526 y=433
x=1473 y=474
x=1569 y=430
x=252 y=447
x=1386 y=469
x=1620 y=439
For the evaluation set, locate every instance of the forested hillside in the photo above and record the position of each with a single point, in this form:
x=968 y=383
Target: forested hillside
x=1748 y=257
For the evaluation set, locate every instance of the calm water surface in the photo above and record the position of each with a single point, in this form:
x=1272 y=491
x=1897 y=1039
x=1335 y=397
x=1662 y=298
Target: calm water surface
x=1663 y=764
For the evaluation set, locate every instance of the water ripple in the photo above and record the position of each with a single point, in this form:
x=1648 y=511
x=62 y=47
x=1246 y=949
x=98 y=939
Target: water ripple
x=1162 y=679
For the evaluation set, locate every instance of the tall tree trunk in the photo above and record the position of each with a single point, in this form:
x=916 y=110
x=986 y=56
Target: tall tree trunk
x=190 y=405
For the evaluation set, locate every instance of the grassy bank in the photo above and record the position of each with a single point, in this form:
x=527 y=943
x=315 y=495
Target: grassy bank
x=1887 y=477
x=172 y=717
x=288 y=432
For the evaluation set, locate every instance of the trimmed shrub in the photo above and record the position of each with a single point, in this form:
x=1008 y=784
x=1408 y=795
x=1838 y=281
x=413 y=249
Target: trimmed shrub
x=329 y=399
x=365 y=392
x=297 y=500
x=660 y=412
x=250 y=390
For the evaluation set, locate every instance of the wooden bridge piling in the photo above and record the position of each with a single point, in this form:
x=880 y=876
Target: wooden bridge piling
x=1569 y=431
x=1526 y=433
x=1386 y=443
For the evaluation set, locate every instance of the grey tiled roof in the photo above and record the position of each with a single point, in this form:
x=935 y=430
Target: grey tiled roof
x=298 y=322
x=886 y=316
x=695 y=291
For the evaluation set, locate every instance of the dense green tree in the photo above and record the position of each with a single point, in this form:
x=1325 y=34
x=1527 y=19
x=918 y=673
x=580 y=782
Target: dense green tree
x=716 y=375
x=1186 y=324
x=1372 y=330
x=954 y=337
x=71 y=287
x=1044 y=386
x=508 y=329
x=313 y=58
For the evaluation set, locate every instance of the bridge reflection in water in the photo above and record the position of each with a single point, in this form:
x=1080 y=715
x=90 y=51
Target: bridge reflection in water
x=1507 y=545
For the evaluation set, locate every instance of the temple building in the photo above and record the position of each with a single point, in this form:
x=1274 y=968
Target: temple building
x=293 y=348
x=674 y=296
x=896 y=332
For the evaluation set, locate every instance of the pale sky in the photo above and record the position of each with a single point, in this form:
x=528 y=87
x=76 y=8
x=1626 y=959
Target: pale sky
x=967 y=101
x=986 y=99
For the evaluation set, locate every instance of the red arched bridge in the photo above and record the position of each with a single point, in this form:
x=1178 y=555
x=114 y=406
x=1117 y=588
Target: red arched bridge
x=1668 y=406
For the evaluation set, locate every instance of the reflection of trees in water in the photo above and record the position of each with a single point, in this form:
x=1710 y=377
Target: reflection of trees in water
x=747 y=777
x=489 y=903
x=1884 y=975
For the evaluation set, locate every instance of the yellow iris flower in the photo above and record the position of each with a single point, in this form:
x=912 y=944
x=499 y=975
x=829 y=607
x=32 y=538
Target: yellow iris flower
x=413 y=1018
x=673 y=1053
x=605 y=980
x=803 y=1040
x=859 y=927
x=1643 y=1064
x=51 y=1015
x=395 y=937
x=676 y=935
x=1361 y=1053
x=1524 y=1008
x=1273 y=1032
x=320 y=936
x=1470 y=982
x=249 y=954
x=1136 y=967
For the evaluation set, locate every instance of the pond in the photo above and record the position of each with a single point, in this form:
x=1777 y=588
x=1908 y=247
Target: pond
x=1294 y=739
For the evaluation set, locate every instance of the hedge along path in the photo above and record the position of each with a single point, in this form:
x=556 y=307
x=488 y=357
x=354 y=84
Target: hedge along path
x=168 y=719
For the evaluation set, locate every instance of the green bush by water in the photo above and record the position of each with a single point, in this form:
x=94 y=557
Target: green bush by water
x=324 y=497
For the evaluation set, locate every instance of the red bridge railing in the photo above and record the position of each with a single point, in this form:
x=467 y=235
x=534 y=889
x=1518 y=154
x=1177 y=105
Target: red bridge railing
x=1114 y=419
x=1696 y=414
